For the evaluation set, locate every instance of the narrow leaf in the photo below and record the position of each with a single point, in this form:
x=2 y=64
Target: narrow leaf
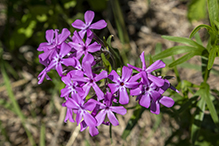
x=199 y=115
x=174 y=51
x=200 y=27
x=183 y=59
x=213 y=11
x=212 y=56
x=184 y=41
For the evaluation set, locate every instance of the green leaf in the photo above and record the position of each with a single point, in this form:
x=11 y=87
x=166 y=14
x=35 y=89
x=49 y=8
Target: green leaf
x=216 y=23
x=196 y=10
x=210 y=105
x=184 y=58
x=213 y=11
x=42 y=135
x=174 y=51
x=199 y=27
x=106 y=63
x=133 y=121
x=199 y=115
x=184 y=41
x=212 y=56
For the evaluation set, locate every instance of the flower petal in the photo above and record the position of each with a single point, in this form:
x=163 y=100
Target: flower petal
x=118 y=109
x=123 y=96
x=65 y=49
x=156 y=65
x=50 y=35
x=136 y=91
x=79 y=24
x=90 y=120
x=126 y=73
x=69 y=62
x=113 y=87
x=167 y=101
x=99 y=93
x=100 y=117
x=145 y=100
x=98 y=25
x=155 y=108
x=158 y=81
x=88 y=17
x=114 y=76
x=143 y=61
x=94 y=47
x=101 y=76
x=64 y=35
x=112 y=118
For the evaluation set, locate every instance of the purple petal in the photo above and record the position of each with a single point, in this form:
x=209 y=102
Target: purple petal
x=90 y=105
x=50 y=35
x=126 y=73
x=135 y=77
x=51 y=65
x=158 y=81
x=113 y=87
x=64 y=35
x=118 y=109
x=87 y=69
x=45 y=55
x=98 y=25
x=101 y=76
x=156 y=65
x=94 y=47
x=143 y=61
x=167 y=101
x=133 y=67
x=155 y=95
x=79 y=24
x=65 y=49
x=69 y=62
x=90 y=120
x=83 y=125
x=155 y=108
x=114 y=76
x=131 y=84
x=100 y=117
x=145 y=100
x=88 y=17
x=136 y=91
x=79 y=116
x=69 y=116
x=123 y=96
x=89 y=58
x=71 y=103
x=82 y=33
x=59 y=69
x=86 y=89
x=112 y=118
x=93 y=131
x=64 y=92
x=99 y=93
x=66 y=80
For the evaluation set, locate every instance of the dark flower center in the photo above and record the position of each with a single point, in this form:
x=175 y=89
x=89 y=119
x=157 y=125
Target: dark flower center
x=84 y=48
x=121 y=84
x=91 y=81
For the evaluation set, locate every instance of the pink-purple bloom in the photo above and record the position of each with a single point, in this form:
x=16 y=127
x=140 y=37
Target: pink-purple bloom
x=88 y=25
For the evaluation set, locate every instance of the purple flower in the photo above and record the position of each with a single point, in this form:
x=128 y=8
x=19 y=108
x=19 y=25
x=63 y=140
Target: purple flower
x=90 y=80
x=108 y=109
x=88 y=17
x=122 y=83
x=72 y=87
x=43 y=73
x=81 y=110
x=58 y=59
x=156 y=65
x=146 y=92
x=54 y=41
x=69 y=115
x=84 y=48
x=155 y=104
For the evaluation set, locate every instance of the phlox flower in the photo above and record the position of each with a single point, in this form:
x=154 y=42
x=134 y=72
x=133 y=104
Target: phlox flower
x=84 y=27
x=120 y=84
x=82 y=47
x=80 y=108
x=54 y=40
x=107 y=109
x=156 y=65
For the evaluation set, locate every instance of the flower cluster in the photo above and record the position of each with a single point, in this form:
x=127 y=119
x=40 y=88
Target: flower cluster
x=73 y=57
